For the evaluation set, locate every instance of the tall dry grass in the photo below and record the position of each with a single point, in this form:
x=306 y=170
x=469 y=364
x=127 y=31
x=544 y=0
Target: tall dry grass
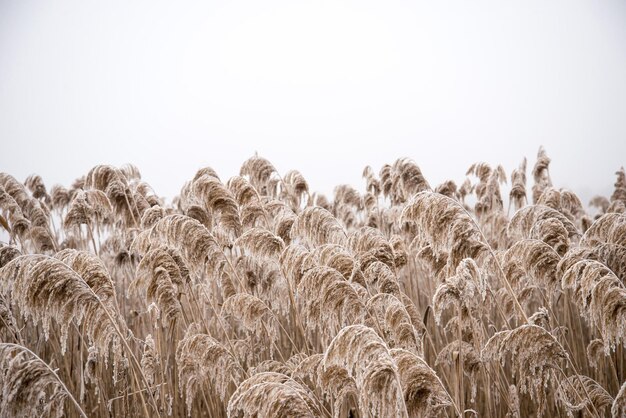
x=255 y=297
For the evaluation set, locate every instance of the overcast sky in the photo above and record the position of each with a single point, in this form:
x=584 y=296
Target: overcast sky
x=325 y=87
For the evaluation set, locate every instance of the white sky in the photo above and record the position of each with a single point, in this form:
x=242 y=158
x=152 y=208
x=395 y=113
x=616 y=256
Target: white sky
x=324 y=87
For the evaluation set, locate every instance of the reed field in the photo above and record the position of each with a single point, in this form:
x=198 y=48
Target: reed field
x=495 y=296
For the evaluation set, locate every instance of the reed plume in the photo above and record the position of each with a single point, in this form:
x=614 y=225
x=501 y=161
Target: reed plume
x=46 y=289
x=201 y=358
x=423 y=391
x=363 y=355
x=570 y=389
x=316 y=226
x=602 y=298
x=535 y=355
x=272 y=395
x=29 y=387
x=446 y=226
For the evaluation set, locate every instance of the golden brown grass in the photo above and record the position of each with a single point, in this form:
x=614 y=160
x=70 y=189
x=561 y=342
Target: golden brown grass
x=254 y=297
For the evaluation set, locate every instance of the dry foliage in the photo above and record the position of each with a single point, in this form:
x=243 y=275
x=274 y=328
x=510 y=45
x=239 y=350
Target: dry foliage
x=254 y=297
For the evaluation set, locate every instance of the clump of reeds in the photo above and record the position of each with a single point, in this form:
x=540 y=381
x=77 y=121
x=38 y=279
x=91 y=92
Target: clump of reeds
x=256 y=297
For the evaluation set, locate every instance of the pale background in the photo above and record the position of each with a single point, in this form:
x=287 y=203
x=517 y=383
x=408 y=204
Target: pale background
x=324 y=87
